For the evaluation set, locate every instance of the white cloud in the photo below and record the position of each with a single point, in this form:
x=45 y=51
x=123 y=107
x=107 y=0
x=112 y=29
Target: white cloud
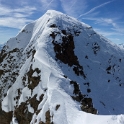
x=26 y=9
x=15 y=18
x=18 y=16
x=13 y=22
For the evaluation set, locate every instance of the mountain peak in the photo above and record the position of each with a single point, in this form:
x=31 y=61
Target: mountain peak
x=53 y=12
x=59 y=70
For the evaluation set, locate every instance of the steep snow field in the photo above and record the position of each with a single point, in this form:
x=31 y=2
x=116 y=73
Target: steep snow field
x=58 y=70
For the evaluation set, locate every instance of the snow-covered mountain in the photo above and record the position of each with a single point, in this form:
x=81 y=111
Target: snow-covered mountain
x=58 y=70
x=121 y=45
x=1 y=46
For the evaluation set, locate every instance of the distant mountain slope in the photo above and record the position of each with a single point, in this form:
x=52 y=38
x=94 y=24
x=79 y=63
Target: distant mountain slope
x=1 y=46
x=58 y=70
x=121 y=45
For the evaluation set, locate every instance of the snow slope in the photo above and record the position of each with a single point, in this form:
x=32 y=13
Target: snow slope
x=1 y=46
x=58 y=70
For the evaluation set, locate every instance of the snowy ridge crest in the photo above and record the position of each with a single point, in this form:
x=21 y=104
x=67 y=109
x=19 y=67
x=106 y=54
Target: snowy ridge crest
x=58 y=71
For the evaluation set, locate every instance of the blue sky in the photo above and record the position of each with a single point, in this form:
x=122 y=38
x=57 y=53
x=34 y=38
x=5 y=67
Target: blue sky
x=106 y=17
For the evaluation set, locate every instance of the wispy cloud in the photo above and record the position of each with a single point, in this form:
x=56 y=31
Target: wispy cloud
x=74 y=7
x=13 y=22
x=16 y=14
x=48 y=4
x=95 y=8
x=112 y=35
x=15 y=18
x=112 y=22
x=102 y=21
x=107 y=33
x=108 y=21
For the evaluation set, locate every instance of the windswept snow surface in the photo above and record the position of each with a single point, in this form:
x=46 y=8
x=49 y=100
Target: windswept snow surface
x=102 y=62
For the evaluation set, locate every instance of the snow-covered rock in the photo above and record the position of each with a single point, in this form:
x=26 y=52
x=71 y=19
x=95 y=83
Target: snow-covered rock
x=58 y=70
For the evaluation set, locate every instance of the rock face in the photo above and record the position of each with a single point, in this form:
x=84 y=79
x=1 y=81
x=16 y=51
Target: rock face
x=57 y=70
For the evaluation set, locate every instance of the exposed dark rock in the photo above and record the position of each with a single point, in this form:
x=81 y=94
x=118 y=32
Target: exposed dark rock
x=38 y=111
x=48 y=117
x=77 y=32
x=88 y=84
x=86 y=103
x=57 y=107
x=64 y=32
x=5 y=117
x=23 y=30
x=87 y=106
x=109 y=69
x=33 y=80
x=34 y=102
x=1 y=72
x=76 y=87
x=88 y=90
x=41 y=122
x=65 y=76
x=2 y=56
x=53 y=35
x=53 y=26
x=108 y=80
x=22 y=114
x=95 y=47
x=65 y=53
x=86 y=57
x=121 y=84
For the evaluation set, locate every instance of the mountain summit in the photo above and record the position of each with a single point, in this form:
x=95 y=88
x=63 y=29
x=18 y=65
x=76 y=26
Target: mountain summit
x=58 y=70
